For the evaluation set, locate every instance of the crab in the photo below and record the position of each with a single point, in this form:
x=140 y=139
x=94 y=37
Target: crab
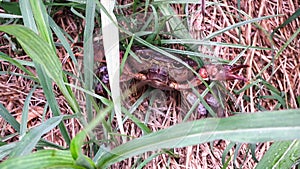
x=162 y=72
x=159 y=71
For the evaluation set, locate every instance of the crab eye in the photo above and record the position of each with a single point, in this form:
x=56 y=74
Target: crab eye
x=177 y=65
x=143 y=54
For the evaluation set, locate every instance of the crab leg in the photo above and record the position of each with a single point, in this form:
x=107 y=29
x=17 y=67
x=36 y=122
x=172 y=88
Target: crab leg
x=194 y=82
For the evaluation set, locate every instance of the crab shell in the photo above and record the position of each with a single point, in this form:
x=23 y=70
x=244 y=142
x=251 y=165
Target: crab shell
x=160 y=71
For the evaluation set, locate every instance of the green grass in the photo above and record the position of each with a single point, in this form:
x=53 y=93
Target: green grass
x=36 y=38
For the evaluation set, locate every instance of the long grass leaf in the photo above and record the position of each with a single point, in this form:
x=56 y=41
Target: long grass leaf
x=42 y=159
x=42 y=53
x=4 y=113
x=88 y=59
x=175 y=22
x=40 y=18
x=78 y=141
x=60 y=35
x=50 y=96
x=249 y=128
x=25 y=112
x=283 y=154
x=29 y=141
x=18 y=64
x=295 y=15
x=6 y=149
x=111 y=48
x=27 y=15
x=216 y=33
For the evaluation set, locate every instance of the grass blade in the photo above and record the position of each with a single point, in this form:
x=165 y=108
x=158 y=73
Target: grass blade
x=17 y=64
x=6 y=149
x=41 y=19
x=281 y=155
x=251 y=128
x=42 y=159
x=50 y=96
x=41 y=52
x=239 y=24
x=88 y=59
x=29 y=141
x=111 y=48
x=4 y=113
x=25 y=112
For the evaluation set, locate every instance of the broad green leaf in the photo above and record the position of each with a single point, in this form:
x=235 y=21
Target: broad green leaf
x=246 y=128
x=37 y=49
x=42 y=159
x=44 y=79
x=37 y=20
x=42 y=53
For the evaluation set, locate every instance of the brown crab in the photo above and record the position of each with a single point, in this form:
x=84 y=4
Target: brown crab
x=162 y=72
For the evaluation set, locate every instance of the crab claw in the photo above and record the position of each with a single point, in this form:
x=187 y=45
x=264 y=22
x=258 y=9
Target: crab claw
x=224 y=72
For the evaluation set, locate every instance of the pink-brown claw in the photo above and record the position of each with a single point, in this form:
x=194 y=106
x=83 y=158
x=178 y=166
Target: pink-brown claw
x=224 y=72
